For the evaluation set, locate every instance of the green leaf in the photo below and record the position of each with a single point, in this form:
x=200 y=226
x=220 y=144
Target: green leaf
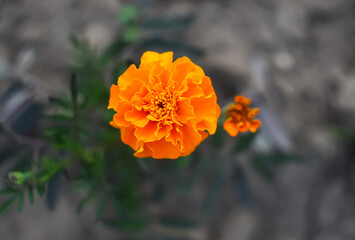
x=84 y=202
x=112 y=51
x=177 y=222
x=9 y=191
x=56 y=130
x=6 y=205
x=127 y=14
x=131 y=34
x=20 y=202
x=131 y=224
x=31 y=195
x=266 y=163
x=60 y=102
x=343 y=134
x=74 y=41
x=181 y=163
x=168 y=23
x=244 y=141
x=74 y=88
x=217 y=138
x=59 y=117
x=41 y=189
x=119 y=69
x=81 y=186
x=100 y=208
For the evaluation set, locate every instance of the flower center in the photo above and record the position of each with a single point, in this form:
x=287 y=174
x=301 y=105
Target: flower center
x=162 y=105
x=239 y=112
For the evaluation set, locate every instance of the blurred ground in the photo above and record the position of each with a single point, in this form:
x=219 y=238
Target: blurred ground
x=307 y=48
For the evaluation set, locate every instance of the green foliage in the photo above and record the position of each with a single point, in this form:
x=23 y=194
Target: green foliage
x=244 y=141
x=87 y=151
x=265 y=164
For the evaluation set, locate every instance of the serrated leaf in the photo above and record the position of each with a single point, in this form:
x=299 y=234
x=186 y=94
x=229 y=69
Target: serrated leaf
x=31 y=196
x=20 y=202
x=85 y=201
x=6 y=205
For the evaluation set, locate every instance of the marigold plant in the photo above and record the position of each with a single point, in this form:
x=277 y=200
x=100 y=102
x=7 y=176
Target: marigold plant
x=239 y=117
x=165 y=109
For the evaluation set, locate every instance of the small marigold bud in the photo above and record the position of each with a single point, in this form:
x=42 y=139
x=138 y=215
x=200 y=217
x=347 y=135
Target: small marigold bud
x=239 y=117
x=17 y=178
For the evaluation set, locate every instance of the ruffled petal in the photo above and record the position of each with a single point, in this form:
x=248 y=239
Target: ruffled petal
x=128 y=137
x=136 y=117
x=184 y=111
x=191 y=137
x=231 y=127
x=147 y=133
x=163 y=149
x=149 y=58
x=114 y=97
x=143 y=152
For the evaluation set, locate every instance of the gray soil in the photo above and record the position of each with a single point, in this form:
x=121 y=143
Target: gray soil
x=296 y=58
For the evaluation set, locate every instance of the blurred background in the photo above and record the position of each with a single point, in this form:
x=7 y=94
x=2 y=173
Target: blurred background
x=293 y=180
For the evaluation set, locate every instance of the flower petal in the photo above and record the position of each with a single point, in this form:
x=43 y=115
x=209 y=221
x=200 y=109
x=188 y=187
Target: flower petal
x=119 y=118
x=191 y=137
x=147 y=133
x=202 y=108
x=184 y=111
x=163 y=149
x=114 y=97
x=143 y=152
x=231 y=127
x=164 y=59
x=128 y=137
x=136 y=117
x=254 y=125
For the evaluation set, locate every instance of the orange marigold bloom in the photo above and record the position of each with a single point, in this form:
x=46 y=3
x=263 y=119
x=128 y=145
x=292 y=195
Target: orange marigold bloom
x=240 y=117
x=165 y=109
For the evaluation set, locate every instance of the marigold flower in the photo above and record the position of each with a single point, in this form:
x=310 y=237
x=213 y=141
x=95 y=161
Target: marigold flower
x=240 y=117
x=165 y=109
